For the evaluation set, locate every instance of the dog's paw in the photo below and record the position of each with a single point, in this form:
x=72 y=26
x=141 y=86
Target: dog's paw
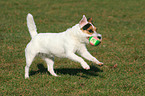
x=58 y=76
x=87 y=67
x=27 y=77
x=100 y=63
x=54 y=74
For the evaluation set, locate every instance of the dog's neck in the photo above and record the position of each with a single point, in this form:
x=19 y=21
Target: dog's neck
x=76 y=33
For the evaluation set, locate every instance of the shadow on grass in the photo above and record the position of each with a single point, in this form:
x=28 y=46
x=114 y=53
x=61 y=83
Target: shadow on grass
x=71 y=71
x=41 y=69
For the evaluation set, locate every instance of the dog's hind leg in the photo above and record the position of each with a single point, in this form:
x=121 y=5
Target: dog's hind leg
x=29 y=59
x=50 y=63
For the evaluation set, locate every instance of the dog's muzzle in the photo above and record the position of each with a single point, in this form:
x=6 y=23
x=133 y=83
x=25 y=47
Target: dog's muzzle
x=99 y=36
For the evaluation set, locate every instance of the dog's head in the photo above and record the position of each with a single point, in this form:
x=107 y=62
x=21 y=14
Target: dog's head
x=88 y=28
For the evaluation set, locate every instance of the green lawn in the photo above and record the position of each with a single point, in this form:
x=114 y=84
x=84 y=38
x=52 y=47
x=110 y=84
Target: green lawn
x=122 y=25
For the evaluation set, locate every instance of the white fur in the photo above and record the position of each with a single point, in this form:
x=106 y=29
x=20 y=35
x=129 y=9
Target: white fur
x=31 y=25
x=64 y=44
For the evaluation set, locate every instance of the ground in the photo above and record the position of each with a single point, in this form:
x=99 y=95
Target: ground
x=122 y=25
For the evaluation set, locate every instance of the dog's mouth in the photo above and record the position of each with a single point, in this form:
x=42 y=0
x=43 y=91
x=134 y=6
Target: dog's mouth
x=88 y=38
x=95 y=36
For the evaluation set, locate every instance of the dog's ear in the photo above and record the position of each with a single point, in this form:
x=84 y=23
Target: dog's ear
x=89 y=20
x=83 y=21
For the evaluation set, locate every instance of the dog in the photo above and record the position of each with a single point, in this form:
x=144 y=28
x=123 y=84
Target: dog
x=64 y=44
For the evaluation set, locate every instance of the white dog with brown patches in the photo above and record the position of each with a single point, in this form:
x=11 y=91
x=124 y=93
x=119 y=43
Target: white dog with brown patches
x=64 y=44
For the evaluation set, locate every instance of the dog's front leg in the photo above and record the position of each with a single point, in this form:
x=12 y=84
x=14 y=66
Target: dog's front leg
x=76 y=58
x=84 y=53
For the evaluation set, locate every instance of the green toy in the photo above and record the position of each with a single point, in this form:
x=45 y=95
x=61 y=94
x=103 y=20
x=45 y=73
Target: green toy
x=94 y=41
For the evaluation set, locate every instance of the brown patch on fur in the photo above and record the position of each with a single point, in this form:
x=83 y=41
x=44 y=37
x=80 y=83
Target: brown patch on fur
x=85 y=31
x=89 y=30
x=90 y=20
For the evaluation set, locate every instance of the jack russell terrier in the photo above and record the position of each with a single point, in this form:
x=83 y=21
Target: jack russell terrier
x=64 y=44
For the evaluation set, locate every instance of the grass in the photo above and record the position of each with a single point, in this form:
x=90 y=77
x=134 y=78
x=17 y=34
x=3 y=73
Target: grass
x=122 y=24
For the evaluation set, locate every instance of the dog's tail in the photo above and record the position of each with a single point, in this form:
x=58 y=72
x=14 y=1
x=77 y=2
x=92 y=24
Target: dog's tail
x=31 y=25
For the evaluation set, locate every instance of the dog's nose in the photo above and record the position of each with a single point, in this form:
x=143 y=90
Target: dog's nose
x=99 y=36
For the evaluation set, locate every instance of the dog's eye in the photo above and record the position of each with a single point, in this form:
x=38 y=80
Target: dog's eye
x=91 y=31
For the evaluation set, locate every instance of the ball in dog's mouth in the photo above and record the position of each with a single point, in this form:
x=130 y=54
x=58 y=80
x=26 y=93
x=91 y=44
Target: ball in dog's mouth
x=94 y=40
